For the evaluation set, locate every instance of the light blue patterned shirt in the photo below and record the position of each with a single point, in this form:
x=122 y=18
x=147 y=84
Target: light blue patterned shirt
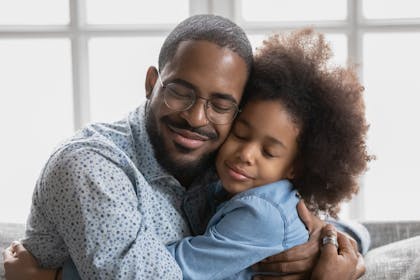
x=246 y=229
x=103 y=200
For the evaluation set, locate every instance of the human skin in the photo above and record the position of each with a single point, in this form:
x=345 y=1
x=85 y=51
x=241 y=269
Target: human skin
x=260 y=149
x=337 y=264
x=187 y=137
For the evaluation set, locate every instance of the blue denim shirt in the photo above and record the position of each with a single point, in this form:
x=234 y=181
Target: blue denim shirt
x=251 y=226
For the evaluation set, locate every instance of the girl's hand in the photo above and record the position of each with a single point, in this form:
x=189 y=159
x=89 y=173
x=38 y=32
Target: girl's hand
x=19 y=264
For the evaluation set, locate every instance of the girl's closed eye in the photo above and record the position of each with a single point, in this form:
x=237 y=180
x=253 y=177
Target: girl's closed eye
x=268 y=154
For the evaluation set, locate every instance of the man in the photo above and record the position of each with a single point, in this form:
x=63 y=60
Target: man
x=112 y=196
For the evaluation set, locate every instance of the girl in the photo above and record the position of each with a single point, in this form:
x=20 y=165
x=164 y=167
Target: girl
x=302 y=130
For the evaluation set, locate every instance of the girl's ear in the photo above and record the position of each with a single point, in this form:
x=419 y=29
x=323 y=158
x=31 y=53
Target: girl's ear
x=151 y=79
x=290 y=174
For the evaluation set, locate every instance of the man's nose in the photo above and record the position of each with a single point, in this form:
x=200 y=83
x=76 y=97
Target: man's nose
x=196 y=115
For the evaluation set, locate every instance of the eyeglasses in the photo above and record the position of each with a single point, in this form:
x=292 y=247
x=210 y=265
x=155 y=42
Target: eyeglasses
x=179 y=97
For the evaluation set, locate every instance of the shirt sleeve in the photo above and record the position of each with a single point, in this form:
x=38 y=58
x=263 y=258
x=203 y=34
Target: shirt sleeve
x=249 y=230
x=87 y=206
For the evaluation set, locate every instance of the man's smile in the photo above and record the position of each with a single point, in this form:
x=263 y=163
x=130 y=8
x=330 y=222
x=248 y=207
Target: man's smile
x=187 y=138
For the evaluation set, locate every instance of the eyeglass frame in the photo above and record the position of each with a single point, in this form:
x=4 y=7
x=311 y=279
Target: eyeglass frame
x=196 y=97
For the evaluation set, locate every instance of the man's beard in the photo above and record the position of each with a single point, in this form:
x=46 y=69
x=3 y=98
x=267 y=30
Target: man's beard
x=177 y=168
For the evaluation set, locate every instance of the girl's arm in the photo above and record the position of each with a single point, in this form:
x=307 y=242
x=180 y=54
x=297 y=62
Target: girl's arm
x=245 y=231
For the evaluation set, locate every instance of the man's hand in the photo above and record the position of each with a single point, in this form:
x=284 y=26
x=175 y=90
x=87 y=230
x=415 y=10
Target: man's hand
x=344 y=263
x=297 y=262
x=19 y=264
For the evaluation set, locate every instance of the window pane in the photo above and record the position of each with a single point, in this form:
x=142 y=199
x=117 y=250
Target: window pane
x=338 y=43
x=34 y=12
x=391 y=8
x=136 y=11
x=293 y=10
x=391 y=75
x=117 y=70
x=35 y=115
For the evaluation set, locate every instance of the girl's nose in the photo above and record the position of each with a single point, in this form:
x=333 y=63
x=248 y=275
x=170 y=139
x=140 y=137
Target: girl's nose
x=247 y=153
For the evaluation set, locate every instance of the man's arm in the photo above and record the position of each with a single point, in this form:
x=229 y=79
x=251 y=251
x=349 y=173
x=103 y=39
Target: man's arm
x=94 y=208
x=299 y=262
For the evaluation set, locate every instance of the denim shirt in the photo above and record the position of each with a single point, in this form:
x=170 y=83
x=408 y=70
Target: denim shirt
x=251 y=226
x=103 y=200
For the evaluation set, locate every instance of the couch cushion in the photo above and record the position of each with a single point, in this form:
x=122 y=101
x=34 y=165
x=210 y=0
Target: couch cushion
x=398 y=260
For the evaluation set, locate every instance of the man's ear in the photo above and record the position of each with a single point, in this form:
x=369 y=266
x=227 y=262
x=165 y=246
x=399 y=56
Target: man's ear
x=151 y=79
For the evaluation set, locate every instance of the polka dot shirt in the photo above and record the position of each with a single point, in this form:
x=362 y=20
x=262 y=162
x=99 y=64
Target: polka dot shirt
x=103 y=200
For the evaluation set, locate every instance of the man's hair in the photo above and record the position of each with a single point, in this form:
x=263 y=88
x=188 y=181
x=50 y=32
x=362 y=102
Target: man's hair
x=326 y=103
x=212 y=28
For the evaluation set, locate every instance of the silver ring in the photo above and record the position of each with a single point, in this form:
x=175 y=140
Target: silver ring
x=331 y=240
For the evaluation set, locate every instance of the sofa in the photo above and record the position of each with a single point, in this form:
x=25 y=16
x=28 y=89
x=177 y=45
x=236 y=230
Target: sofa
x=394 y=252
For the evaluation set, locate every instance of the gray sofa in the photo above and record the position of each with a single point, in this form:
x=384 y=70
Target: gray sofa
x=394 y=251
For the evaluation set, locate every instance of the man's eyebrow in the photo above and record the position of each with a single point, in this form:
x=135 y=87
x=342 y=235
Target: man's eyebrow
x=221 y=95
x=182 y=82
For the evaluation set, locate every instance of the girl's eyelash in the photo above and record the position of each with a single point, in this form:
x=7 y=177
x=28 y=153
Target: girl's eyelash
x=268 y=154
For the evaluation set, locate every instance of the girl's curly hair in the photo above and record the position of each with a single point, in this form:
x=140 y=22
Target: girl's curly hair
x=327 y=105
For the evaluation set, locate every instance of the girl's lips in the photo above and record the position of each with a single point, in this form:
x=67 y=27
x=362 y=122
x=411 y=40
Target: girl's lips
x=238 y=174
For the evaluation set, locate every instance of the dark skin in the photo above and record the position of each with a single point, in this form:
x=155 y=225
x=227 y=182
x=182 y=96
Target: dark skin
x=344 y=263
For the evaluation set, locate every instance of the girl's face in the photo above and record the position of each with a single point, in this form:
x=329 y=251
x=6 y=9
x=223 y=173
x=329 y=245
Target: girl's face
x=260 y=149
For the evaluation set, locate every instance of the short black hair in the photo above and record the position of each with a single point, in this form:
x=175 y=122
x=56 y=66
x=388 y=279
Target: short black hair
x=212 y=28
x=326 y=103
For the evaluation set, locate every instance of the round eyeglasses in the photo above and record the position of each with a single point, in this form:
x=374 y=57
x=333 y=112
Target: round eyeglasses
x=179 y=97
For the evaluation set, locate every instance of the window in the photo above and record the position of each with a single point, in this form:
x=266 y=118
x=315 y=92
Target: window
x=65 y=63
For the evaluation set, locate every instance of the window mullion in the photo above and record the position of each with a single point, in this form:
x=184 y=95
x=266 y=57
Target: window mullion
x=199 y=7
x=355 y=50
x=224 y=8
x=80 y=63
